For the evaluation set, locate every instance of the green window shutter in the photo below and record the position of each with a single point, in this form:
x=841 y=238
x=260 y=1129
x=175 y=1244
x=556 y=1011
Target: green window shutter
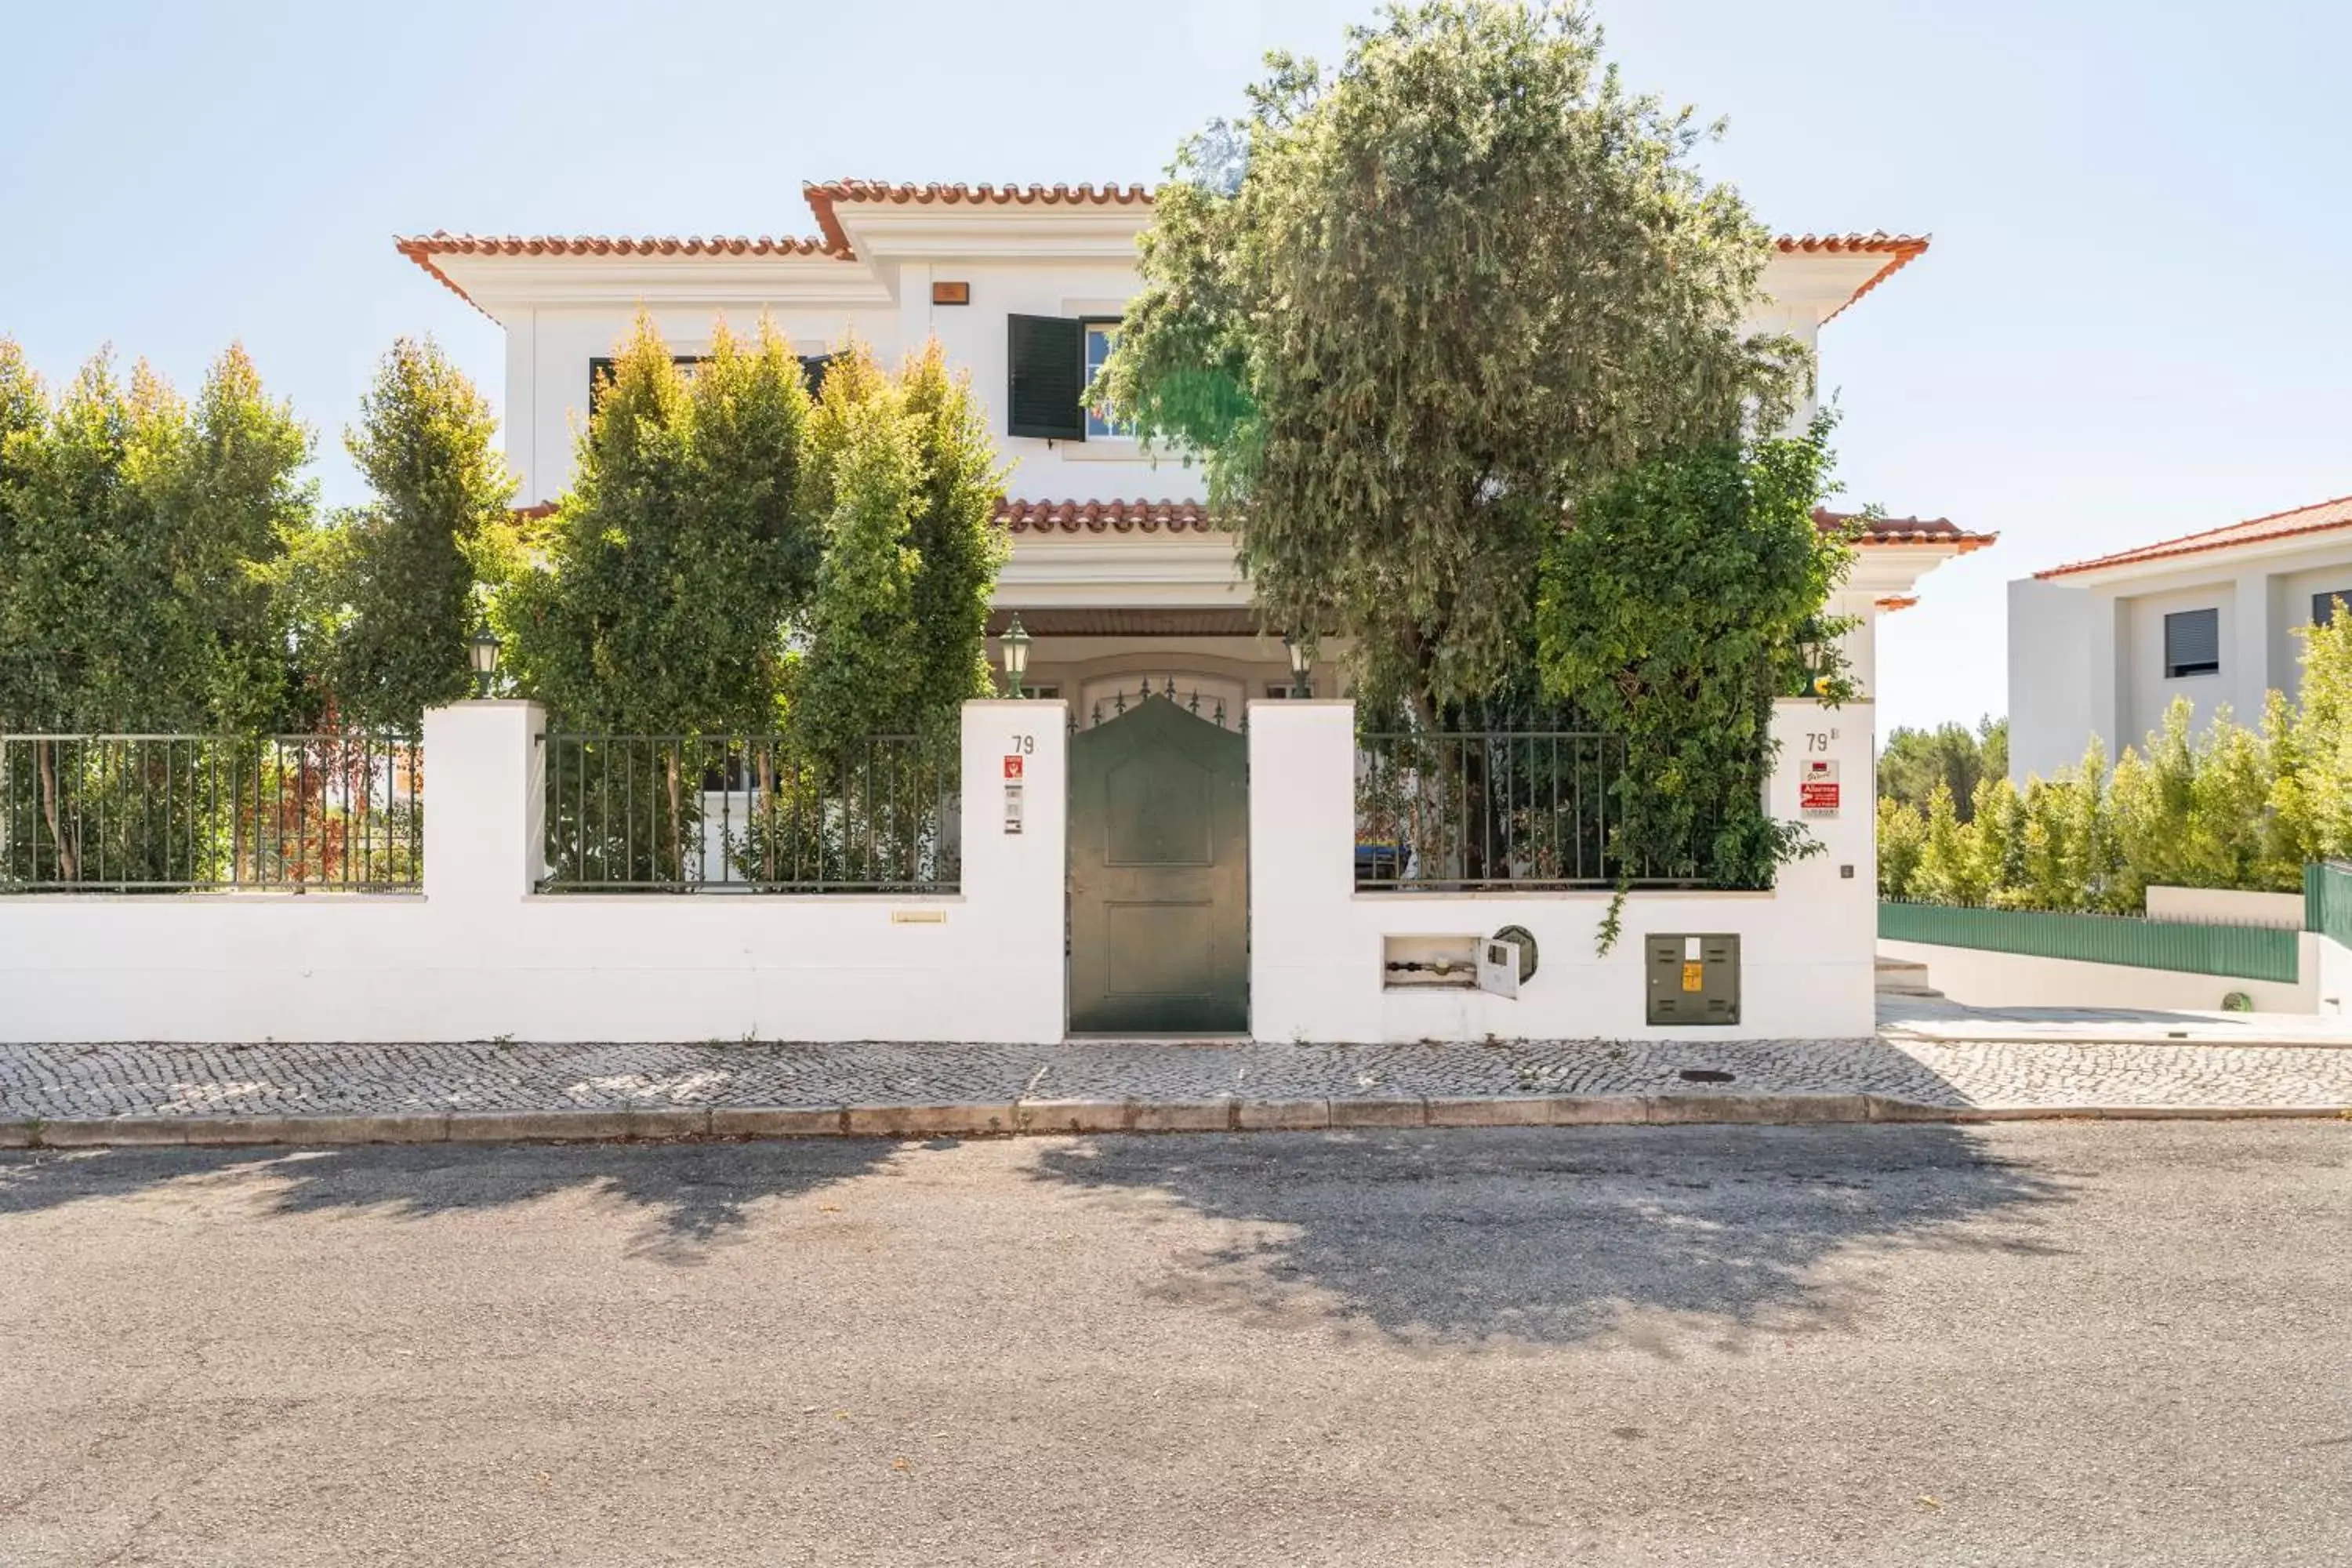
x=1047 y=355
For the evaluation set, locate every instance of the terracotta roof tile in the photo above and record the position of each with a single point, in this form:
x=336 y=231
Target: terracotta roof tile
x=1900 y=250
x=822 y=197
x=1103 y=517
x=422 y=248
x=2318 y=518
x=1899 y=531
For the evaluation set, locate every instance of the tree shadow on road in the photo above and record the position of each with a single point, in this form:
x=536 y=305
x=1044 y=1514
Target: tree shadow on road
x=691 y=1197
x=1657 y=1236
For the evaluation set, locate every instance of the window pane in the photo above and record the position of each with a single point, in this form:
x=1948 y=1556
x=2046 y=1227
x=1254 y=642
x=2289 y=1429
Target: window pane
x=2323 y=606
x=1100 y=336
x=2192 y=643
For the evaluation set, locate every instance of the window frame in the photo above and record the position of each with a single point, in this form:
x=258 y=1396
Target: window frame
x=2189 y=670
x=1088 y=324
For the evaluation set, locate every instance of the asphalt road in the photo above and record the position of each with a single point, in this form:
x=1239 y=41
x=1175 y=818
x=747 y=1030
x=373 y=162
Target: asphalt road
x=2065 y=1344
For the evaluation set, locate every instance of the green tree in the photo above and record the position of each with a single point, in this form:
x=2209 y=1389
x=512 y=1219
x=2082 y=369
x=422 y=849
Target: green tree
x=1912 y=761
x=1670 y=613
x=908 y=480
x=1951 y=867
x=1902 y=838
x=383 y=596
x=1407 y=311
x=2319 y=797
x=654 y=598
x=140 y=535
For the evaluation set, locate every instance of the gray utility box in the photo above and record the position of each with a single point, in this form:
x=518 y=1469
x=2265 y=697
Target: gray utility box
x=1692 y=979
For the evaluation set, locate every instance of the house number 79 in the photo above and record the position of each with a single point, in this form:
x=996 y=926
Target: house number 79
x=1819 y=740
x=1024 y=745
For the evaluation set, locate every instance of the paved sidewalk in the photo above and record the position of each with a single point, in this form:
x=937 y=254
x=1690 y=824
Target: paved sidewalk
x=1939 y=1018
x=62 y=1094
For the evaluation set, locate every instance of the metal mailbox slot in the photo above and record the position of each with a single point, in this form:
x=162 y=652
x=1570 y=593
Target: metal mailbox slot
x=1692 y=979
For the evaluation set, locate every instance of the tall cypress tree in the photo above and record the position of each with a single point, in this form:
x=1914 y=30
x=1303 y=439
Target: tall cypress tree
x=384 y=595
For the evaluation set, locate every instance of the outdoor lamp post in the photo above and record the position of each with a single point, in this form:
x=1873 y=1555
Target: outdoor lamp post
x=482 y=649
x=1815 y=654
x=1302 y=664
x=1015 y=643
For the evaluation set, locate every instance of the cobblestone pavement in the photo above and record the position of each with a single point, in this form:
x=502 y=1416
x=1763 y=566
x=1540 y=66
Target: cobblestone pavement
x=60 y=1082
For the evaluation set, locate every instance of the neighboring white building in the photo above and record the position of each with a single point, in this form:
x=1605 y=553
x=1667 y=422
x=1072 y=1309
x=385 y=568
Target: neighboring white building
x=1115 y=570
x=2103 y=648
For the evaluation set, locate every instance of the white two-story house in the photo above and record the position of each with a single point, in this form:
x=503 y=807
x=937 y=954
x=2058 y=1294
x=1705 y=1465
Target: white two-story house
x=1115 y=571
x=2103 y=647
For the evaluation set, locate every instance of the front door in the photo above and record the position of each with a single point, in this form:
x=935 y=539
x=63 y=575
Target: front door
x=1159 y=874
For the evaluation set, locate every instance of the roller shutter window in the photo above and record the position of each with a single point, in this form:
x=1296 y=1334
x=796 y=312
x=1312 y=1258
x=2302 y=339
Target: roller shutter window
x=2192 y=643
x=1047 y=363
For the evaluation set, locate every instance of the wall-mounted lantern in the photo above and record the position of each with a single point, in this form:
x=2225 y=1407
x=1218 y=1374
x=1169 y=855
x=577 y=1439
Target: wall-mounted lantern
x=482 y=650
x=1302 y=664
x=1015 y=643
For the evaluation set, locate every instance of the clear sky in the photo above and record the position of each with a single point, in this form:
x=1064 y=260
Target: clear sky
x=2136 y=319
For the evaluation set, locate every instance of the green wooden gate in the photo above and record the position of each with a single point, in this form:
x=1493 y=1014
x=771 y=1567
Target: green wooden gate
x=1158 y=875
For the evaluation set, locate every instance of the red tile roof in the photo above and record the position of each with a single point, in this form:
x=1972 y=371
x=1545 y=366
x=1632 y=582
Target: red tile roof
x=1101 y=517
x=822 y=197
x=1896 y=531
x=1898 y=248
x=422 y=248
x=2322 y=517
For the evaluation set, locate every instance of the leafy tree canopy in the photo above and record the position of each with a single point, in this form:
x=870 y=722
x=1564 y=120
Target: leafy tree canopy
x=139 y=534
x=1405 y=311
x=1672 y=611
x=1912 y=762
x=383 y=596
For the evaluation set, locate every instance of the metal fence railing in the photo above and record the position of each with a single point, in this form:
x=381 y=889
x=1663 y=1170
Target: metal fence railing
x=751 y=814
x=1527 y=809
x=339 y=812
x=2238 y=951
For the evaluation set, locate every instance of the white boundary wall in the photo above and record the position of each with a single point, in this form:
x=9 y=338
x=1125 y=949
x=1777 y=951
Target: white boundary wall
x=478 y=955
x=1316 y=944
x=2224 y=906
x=1976 y=977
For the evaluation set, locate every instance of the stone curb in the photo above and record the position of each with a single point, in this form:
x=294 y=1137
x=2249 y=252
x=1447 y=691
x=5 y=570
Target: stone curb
x=1041 y=1117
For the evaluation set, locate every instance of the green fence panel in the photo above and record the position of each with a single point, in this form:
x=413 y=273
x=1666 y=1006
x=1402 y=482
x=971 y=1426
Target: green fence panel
x=2240 y=952
x=2327 y=901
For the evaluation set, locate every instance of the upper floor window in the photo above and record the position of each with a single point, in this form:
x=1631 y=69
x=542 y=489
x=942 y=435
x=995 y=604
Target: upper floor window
x=600 y=373
x=2323 y=606
x=1048 y=362
x=2192 y=643
x=1101 y=337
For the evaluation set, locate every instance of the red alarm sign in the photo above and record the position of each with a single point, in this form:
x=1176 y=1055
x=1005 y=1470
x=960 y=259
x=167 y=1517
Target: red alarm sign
x=1013 y=767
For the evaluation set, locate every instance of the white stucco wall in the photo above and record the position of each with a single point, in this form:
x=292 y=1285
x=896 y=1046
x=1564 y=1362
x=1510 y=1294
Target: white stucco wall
x=1977 y=978
x=478 y=955
x=2086 y=653
x=2224 y=906
x=559 y=318
x=1316 y=944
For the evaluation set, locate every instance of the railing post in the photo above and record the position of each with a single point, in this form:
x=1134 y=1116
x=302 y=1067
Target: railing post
x=485 y=801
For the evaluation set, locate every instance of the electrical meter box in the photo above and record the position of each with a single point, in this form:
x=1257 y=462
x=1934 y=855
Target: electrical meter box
x=1692 y=979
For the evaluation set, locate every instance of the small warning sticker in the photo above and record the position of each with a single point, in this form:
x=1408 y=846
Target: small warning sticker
x=1817 y=791
x=1693 y=977
x=1013 y=767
